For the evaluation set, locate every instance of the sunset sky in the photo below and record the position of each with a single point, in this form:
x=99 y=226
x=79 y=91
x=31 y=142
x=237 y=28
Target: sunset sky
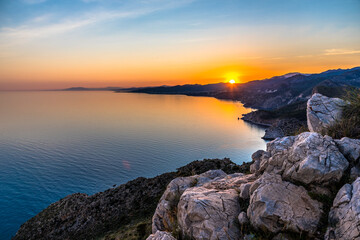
x=48 y=44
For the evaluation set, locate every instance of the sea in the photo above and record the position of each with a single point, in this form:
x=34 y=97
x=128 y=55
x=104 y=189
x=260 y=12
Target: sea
x=55 y=143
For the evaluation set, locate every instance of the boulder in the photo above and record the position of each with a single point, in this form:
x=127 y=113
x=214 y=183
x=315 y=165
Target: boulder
x=272 y=133
x=209 y=214
x=344 y=216
x=243 y=219
x=309 y=158
x=161 y=235
x=277 y=205
x=282 y=128
x=323 y=111
x=164 y=218
x=350 y=148
x=235 y=181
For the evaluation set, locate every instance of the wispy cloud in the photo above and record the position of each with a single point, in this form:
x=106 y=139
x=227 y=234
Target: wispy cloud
x=337 y=51
x=32 y=29
x=28 y=32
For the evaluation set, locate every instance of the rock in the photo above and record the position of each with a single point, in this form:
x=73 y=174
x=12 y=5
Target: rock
x=354 y=173
x=209 y=213
x=308 y=158
x=344 y=216
x=277 y=205
x=164 y=218
x=232 y=181
x=160 y=235
x=282 y=128
x=350 y=148
x=323 y=111
x=283 y=236
x=245 y=191
x=243 y=219
x=257 y=158
x=272 y=133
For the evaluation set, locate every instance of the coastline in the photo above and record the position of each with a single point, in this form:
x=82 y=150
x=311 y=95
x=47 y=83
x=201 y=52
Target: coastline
x=123 y=212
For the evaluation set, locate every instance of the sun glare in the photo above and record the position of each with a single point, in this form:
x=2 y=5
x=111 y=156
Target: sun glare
x=232 y=81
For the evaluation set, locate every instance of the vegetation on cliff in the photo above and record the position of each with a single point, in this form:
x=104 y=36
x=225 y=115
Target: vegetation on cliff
x=123 y=212
x=349 y=124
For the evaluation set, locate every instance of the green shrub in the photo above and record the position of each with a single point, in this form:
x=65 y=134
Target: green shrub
x=349 y=124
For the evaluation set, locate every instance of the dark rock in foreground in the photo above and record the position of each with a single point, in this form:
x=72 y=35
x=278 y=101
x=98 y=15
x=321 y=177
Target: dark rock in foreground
x=79 y=216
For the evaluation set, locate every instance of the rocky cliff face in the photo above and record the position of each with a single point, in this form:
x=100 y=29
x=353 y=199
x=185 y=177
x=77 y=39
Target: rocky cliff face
x=295 y=191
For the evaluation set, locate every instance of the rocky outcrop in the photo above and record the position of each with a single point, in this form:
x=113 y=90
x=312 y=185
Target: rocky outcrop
x=164 y=218
x=309 y=158
x=282 y=198
x=277 y=205
x=208 y=208
x=344 y=217
x=159 y=235
x=323 y=111
x=209 y=213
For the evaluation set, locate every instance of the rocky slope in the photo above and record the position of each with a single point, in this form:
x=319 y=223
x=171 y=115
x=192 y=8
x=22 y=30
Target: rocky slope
x=117 y=212
x=299 y=188
x=269 y=94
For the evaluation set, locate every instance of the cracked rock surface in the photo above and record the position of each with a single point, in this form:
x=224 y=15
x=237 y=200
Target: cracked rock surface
x=350 y=148
x=323 y=111
x=277 y=205
x=164 y=218
x=209 y=213
x=344 y=216
x=309 y=158
x=160 y=235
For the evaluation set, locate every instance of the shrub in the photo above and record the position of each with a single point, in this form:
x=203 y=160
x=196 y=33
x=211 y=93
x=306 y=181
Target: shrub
x=349 y=124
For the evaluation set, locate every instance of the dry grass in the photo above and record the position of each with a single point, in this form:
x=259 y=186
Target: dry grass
x=349 y=124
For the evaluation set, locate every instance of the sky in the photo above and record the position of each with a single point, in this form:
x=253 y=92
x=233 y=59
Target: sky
x=51 y=44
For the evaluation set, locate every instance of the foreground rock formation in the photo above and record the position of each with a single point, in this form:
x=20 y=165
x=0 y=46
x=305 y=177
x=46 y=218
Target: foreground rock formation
x=286 y=196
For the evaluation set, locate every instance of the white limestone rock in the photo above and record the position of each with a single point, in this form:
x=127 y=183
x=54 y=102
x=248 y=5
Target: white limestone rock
x=164 y=218
x=308 y=158
x=344 y=216
x=350 y=148
x=323 y=112
x=277 y=205
x=209 y=214
x=161 y=235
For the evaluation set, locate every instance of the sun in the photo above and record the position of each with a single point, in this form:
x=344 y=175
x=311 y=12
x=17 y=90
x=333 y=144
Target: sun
x=232 y=81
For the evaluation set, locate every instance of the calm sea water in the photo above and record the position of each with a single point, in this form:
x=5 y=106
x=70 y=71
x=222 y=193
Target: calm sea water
x=56 y=143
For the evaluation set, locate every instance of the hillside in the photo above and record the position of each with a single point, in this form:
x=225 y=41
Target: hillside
x=269 y=93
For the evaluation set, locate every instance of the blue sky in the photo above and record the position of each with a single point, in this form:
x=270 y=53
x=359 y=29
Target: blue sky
x=186 y=34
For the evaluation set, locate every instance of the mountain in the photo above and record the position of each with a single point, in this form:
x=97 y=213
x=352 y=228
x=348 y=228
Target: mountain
x=91 y=89
x=272 y=93
x=280 y=91
x=188 y=89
